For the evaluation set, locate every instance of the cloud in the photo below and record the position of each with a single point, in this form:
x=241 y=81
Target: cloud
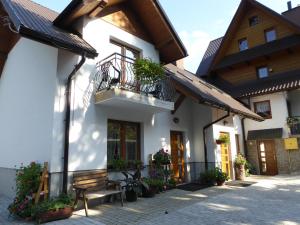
x=196 y=43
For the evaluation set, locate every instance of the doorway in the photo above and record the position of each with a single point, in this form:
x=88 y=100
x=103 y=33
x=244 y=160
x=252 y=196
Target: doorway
x=226 y=156
x=177 y=155
x=267 y=157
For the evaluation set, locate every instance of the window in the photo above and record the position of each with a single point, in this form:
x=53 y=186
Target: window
x=254 y=20
x=243 y=44
x=270 y=35
x=123 y=141
x=131 y=53
x=262 y=72
x=263 y=109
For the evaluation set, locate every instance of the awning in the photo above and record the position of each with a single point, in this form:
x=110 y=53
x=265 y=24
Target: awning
x=192 y=86
x=265 y=134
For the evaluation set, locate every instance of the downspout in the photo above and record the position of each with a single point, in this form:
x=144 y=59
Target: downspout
x=244 y=138
x=204 y=136
x=67 y=120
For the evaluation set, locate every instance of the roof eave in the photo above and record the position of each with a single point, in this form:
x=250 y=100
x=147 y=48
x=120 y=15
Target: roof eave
x=40 y=37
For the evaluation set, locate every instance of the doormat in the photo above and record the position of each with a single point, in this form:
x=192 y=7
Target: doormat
x=240 y=183
x=192 y=187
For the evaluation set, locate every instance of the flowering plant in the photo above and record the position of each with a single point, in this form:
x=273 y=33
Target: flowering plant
x=27 y=183
x=162 y=157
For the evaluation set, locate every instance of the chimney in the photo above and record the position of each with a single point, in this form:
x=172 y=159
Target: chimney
x=289 y=5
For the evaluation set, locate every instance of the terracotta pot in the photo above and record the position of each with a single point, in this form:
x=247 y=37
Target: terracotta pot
x=220 y=183
x=60 y=214
x=240 y=172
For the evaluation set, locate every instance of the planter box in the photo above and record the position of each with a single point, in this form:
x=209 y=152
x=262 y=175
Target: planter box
x=55 y=215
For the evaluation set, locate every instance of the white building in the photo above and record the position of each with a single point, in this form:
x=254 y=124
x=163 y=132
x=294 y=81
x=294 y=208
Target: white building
x=106 y=117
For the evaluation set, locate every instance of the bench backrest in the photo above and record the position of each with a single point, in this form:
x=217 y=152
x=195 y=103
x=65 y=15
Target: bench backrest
x=91 y=180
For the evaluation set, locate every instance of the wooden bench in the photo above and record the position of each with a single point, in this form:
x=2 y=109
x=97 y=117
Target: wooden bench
x=94 y=184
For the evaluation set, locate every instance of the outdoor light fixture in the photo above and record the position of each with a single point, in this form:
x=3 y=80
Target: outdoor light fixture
x=176 y=120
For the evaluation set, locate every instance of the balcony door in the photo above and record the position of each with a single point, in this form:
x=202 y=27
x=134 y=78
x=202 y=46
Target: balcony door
x=126 y=59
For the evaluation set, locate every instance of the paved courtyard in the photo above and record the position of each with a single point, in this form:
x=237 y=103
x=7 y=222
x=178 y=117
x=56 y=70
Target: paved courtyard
x=273 y=200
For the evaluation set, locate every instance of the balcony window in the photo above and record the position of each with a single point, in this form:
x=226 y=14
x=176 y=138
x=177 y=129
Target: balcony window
x=270 y=35
x=262 y=72
x=254 y=20
x=123 y=141
x=243 y=44
x=263 y=109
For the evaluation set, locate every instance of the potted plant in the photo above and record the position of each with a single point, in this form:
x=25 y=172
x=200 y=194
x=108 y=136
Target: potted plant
x=220 y=177
x=151 y=190
x=118 y=165
x=223 y=139
x=171 y=184
x=54 y=209
x=148 y=72
x=292 y=121
x=239 y=166
x=162 y=157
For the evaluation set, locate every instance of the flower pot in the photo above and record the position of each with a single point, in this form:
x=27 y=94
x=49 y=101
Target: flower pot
x=220 y=182
x=150 y=193
x=219 y=142
x=59 y=214
x=131 y=196
x=240 y=172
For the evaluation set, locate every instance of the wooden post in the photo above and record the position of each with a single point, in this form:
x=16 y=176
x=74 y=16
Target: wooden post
x=43 y=188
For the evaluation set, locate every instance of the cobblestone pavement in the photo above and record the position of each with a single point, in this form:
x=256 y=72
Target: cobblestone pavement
x=270 y=201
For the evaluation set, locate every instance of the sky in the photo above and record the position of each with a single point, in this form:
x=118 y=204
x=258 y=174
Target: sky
x=196 y=21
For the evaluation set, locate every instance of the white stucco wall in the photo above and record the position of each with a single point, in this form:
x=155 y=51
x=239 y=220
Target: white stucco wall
x=26 y=100
x=279 y=113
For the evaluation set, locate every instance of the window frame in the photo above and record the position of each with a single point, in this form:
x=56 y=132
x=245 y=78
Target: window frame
x=123 y=137
x=268 y=30
x=125 y=47
x=257 y=72
x=239 y=43
x=258 y=102
x=250 y=20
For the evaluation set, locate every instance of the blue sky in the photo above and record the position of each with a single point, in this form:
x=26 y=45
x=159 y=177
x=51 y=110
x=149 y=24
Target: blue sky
x=197 y=22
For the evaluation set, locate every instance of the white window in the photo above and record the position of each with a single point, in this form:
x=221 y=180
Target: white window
x=263 y=109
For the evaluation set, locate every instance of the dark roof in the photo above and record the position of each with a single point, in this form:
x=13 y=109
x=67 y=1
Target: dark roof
x=206 y=93
x=280 y=82
x=261 y=50
x=208 y=57
x=265 y=134
x=36 y=22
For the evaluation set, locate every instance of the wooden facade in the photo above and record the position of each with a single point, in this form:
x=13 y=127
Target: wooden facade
x=278 y=62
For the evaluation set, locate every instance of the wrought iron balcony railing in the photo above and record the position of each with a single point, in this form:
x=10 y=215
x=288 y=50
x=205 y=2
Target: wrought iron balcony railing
x=116 y=71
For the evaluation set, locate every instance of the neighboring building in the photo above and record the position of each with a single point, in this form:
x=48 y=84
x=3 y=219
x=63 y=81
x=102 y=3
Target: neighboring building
x=78 y=115
x=258 y=63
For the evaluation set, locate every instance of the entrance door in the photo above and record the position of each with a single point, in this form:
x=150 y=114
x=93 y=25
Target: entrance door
x=226 y=156
x=177 y=155
x=267 y=157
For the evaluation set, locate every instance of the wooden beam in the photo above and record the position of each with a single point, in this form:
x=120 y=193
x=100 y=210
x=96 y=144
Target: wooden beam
x=99 y=8
x=178 y=103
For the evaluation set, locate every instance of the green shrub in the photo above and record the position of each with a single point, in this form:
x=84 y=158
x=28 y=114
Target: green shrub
x=148 y=72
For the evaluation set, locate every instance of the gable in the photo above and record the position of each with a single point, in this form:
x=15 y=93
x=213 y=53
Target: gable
x=122 y=16
x=256 y=34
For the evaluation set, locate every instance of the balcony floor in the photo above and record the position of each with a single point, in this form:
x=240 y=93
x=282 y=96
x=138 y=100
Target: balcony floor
x=126 y=99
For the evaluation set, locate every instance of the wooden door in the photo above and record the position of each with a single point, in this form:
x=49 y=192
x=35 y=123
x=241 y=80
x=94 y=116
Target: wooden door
x=267 y=157
x=226 y=157
x=177 y=155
